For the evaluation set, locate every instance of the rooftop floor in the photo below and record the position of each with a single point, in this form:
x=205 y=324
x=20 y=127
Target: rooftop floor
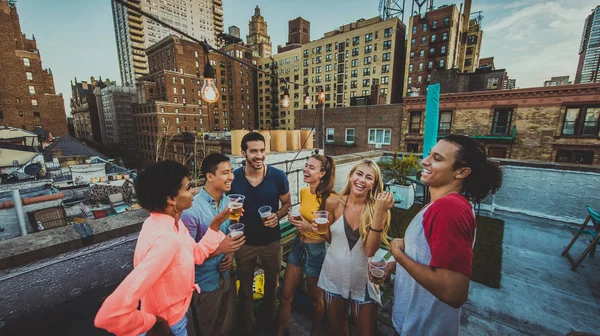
x=539 y=294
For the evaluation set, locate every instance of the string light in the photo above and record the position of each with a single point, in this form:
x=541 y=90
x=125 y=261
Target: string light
x=321 y=97
x=306 y=97
x=285 y=102
x=209 y=91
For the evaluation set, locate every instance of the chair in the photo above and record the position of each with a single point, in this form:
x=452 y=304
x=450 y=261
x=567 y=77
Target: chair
x=594 y=231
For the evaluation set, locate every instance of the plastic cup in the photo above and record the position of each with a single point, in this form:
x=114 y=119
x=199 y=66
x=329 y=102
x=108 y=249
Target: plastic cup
x=265 y=211
x=236 y=229
x=295 y=213
x=322 y=220
x=236 y=203
x=378 y=266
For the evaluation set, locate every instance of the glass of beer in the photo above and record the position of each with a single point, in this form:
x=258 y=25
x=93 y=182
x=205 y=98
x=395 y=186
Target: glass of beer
x=321 y=218
x=236 y=229
x=378 y=266
x=295 y=213
x=264 y=212
x=236 y=203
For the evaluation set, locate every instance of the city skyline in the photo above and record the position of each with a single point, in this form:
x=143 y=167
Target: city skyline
x=532 y=39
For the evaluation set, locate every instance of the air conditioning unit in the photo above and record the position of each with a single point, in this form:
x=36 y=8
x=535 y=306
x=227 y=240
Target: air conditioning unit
x=378 y=146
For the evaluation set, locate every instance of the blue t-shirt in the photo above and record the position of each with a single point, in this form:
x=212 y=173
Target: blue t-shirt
x=197 y=219
x=274 y=185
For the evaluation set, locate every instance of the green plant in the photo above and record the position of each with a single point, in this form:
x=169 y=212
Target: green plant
x=400 y=167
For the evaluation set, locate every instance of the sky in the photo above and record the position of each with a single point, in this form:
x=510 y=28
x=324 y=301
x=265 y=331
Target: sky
x=532 y=39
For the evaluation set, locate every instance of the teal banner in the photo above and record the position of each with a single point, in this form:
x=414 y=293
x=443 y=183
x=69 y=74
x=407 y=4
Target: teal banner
x=432 y=116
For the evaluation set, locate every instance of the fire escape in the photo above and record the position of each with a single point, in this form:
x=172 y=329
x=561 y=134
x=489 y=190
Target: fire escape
x=274 y=96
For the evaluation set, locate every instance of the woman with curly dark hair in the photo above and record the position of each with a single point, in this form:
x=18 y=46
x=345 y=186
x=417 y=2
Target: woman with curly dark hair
x=165 y=254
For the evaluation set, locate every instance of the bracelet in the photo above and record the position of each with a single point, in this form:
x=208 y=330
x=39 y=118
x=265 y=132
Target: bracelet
x=378 y=231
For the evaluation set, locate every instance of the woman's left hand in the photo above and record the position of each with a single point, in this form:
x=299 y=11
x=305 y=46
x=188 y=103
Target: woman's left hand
x=384 y=201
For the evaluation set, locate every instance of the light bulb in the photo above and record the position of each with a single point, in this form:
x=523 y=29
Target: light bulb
x=285 y=102
x=307 y=100
x=321 y=97
x=209 y=92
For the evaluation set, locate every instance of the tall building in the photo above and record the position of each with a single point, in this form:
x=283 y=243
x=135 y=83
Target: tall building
x=117 y=105
x=28 y=98
x=202 y=19
x=299 y=31
x=589 y=50
x=440 y=39
x=347 y=63
x=85 y=109
x=234 y=31
x=257 y=37
x=169 y=101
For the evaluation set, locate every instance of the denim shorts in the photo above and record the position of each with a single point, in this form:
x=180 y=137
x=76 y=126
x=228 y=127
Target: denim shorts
x=309 y=257
x=179 y=328
x=368 y=299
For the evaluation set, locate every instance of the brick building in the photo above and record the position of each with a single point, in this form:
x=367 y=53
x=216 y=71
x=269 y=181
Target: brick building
x=258 y=39
x=169 y=97
x=28 y=97
x=86 y=109
x=442 y=38
x=355 y=129
x=345 y=62
x=482 y=79
x=557 y=124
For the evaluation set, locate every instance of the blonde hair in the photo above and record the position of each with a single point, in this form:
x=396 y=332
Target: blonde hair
x=369 y=211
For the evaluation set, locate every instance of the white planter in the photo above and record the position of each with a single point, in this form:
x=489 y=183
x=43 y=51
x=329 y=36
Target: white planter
x=406 y=192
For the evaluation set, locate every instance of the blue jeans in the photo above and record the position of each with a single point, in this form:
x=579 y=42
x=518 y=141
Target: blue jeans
x=309 y=257
x=179 y=328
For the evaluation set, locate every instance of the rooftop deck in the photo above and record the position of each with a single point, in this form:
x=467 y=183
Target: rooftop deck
x=52 y=282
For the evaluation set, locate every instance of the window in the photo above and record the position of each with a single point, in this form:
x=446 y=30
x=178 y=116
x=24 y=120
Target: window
x=446 y=21
x=413 y=41
x=353 y=84
x=411 y=68
x=423 y=40
x=421 y=66
x=29 y=75
x=36 y=116
x=385 y=80
x=497 y=152
x=431 y=51
x=34 y=103
x=318 y=69
x=355 y=40
x=365 y=92
x=434 y=24
x=424 y=27
x=443 y=50
x=385 y=68
x=383 y=91
x=178 y=129
x=31 y=89
x=422 y=53
x=349 y=135
x=368 y=37
x=354 y=51
x=387 y=32
x=387 y=44
x=177 y=120
x=329 y=135
x=412 y=147
x=367 y=60
x=26 y=61
x=386 y=56
x=380 y=136
x=319 y=49
x=354 y=73
x=327 y=78
x=442 y=63
x=163 y=120
x=492 y=83
x=569 y=156
x=581 y=121
x=182 y=91
x=445 y=123
x=328 y=57
x=318 y=60
x=164 y=129
x=415 y=122
x=328 y=47
x=368 y=49
x=502 y=120
x=366 y=71
x=444 y=36
x=433 y=38
x=430 y=65
x=354 y=63
x=412 y=54
x=414 y=29
x=409 y=80
x=366 y=82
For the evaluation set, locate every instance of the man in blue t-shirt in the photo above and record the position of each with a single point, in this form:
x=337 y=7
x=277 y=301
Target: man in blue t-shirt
x=262 y=185
x=211 y=312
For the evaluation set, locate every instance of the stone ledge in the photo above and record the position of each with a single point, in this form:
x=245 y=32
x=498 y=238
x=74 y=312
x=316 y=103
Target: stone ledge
x=21 y=250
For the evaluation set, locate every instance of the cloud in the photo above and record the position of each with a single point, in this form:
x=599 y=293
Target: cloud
x=536 y=39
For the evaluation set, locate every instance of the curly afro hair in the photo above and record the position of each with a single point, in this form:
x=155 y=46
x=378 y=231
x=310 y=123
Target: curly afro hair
x=157 y=183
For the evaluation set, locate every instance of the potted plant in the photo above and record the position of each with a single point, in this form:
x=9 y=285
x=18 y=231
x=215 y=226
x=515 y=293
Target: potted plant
x=399 y=167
